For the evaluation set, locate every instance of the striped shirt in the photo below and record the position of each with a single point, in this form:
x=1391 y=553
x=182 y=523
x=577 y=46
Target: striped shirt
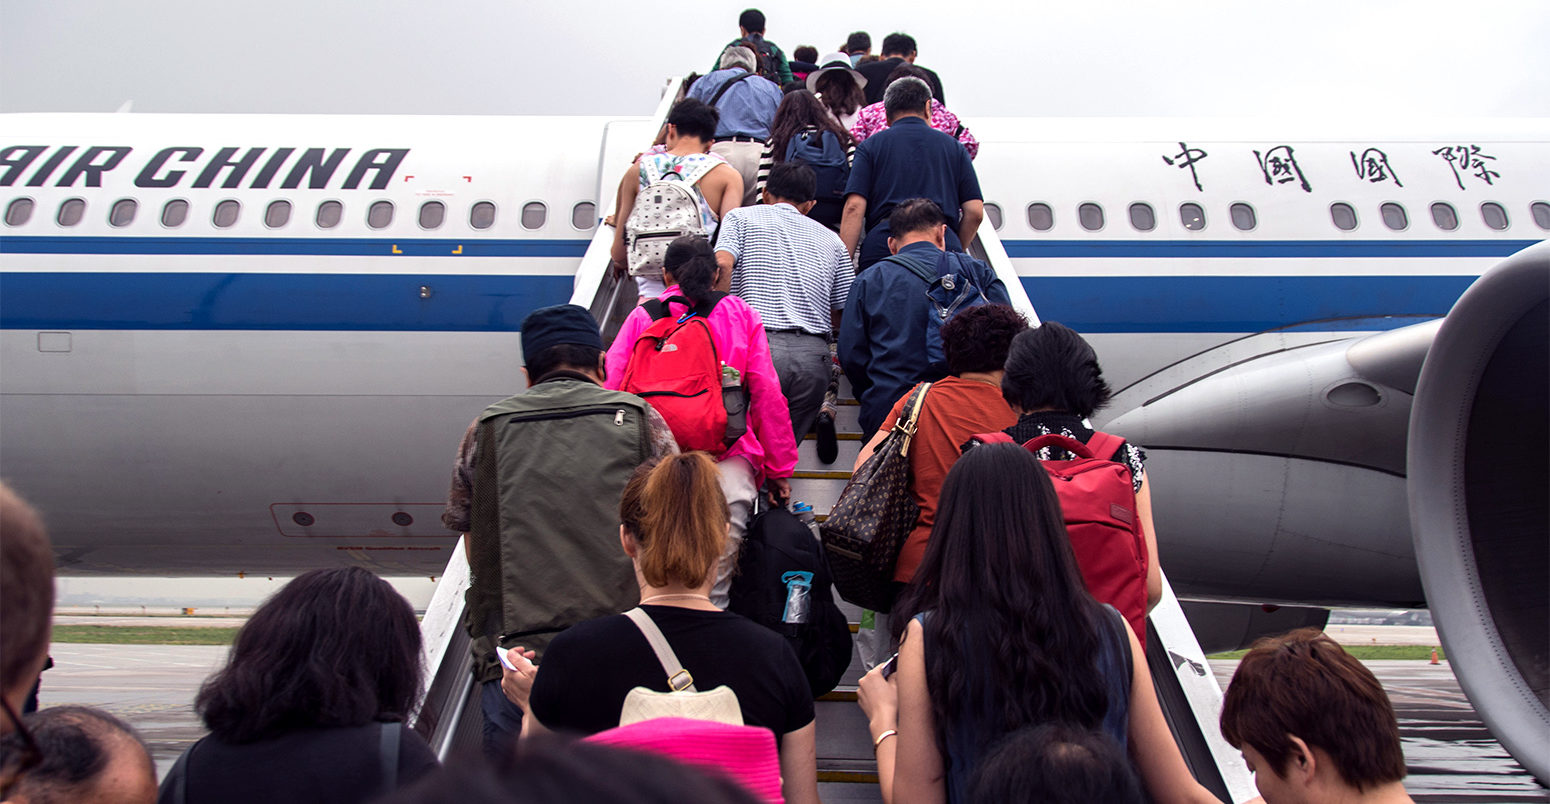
x=787 y=266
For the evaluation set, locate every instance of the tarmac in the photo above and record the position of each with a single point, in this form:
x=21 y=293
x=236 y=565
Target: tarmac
x=1451 y=756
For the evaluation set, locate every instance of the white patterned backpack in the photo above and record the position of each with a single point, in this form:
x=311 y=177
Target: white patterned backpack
x=669 y=207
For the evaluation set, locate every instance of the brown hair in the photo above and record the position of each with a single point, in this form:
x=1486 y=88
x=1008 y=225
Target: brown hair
x=675 y=511
x=1305 y=684
x=26 y=589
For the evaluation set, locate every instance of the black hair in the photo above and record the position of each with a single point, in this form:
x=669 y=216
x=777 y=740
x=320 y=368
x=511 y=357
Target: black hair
x=806 y=53
x=858 y=42
x=693 y=265
x=915 y=215
x=1013 y=636
x=792 y=181
x=334 y=647
x=573 y=356
x=978 y=338
x=1056 y=763
x=908 y=94
x=76 y=743
x=906 y=70
x=694 y=118
x=551 y=769
x=751 y=20
x=1051 y=367
x=800 y=110
x=901 y=44
x=840 y=92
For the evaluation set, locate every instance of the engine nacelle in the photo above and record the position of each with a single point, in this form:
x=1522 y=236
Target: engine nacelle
x=1478 y=473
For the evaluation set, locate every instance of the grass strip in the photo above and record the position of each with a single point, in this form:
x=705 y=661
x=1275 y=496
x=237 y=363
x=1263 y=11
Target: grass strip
x=143 y=635
x=1366 y=652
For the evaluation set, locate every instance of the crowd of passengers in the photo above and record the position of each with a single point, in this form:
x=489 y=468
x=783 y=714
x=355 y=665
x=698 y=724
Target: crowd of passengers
x=602 y=536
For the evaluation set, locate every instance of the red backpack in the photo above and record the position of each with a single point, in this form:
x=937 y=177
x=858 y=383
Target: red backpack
x=1098 y=504
x=675 y=367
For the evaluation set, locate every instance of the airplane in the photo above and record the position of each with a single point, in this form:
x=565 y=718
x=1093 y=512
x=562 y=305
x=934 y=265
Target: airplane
x=250 y=343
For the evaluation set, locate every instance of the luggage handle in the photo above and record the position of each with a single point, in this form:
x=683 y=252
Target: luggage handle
x=1066 y=443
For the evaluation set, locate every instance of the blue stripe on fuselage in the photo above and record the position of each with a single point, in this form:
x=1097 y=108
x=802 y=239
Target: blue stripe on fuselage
x=293 y=246
x=1260 y=249
x=274 y=301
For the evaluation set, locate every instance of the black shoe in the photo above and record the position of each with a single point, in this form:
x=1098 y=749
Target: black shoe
x=828 y=441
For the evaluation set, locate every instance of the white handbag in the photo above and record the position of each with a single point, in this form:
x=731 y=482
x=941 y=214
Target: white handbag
x=719 y=705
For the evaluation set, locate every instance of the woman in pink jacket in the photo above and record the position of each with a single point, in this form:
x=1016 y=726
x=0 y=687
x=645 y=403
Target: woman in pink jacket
x=767 y=452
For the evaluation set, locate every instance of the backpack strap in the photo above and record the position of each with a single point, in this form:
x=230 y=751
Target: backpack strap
x=387 y=755
x=1105 y=445
x=997 y=437
x=678 y=679
x=722 y=90
x=656 y=308
x=918 y=267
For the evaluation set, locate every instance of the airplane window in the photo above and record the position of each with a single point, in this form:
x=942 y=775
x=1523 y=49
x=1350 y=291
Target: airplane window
x=174 y=213
x=993 y=214
x=1192 y=216
x=379 y=214
x=1495 y=215
x=18 y=212
x=1541 y=212
x=1041 y=217
x=226 y=213
x=482 y=215
x=1091 y=216
x=432 y=213
x=534 y=213
x=1142 y=217
x=583 y=215
x=70 y=212
x=122 y=213
x=1444 y=216
x=329 y=214
x=1394 y=216
x=1343 y=215
x=1243 y=217
x=278 y=214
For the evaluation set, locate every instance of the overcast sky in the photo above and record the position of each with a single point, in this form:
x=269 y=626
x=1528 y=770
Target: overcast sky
x=1328 y=58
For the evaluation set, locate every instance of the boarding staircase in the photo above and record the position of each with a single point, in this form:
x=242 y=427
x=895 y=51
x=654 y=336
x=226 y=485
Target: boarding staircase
x=450 y=715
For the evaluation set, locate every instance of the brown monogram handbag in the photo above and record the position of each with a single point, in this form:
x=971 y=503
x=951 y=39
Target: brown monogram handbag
x=874 y=514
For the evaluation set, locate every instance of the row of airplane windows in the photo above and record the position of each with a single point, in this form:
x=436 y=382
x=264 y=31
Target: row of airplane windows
x=1192 y=216
x=481 y=215
x=277 y=214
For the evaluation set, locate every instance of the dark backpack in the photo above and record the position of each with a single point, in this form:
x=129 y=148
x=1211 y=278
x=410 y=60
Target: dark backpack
x=822 y=152
x=764 y=57
x=675 y=367
x=1098 y=504
x=951 y=289
x=779 y=551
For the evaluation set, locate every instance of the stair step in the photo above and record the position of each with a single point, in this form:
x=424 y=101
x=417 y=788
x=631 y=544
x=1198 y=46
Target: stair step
x=807 y=454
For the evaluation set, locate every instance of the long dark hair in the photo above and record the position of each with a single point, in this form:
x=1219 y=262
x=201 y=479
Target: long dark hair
x=800 y=110
x=693 y=266
x=334 y=647
x=839 y=92
x=1012 y=633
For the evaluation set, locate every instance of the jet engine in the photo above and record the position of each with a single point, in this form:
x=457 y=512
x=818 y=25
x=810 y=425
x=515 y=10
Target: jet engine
x=1408 y=467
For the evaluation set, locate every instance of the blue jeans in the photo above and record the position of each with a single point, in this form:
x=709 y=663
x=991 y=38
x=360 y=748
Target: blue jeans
x=502 y=720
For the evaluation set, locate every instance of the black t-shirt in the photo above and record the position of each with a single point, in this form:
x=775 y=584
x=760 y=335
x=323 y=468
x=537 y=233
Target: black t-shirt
x=339 y=765
x=590 y=667
x=877 y=72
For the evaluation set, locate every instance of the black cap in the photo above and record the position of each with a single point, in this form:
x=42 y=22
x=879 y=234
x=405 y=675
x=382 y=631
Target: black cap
x=560 y=324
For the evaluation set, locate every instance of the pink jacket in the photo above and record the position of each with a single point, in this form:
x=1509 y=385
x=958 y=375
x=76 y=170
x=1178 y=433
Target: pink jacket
x=872 y=119
x=740 y=340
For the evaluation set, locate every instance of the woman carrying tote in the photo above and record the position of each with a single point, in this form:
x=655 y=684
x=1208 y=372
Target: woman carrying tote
x=673 y=526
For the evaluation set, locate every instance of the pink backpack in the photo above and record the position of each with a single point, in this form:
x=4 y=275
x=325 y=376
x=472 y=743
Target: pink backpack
x=746 y=754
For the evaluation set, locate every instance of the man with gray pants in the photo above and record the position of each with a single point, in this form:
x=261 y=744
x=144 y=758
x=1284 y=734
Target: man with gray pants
x=796 y=274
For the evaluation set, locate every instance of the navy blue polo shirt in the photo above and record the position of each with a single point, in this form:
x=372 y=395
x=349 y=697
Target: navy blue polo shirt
x=910 y=159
